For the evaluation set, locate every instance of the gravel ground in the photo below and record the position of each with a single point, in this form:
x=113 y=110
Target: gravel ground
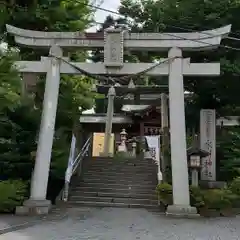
x=128 y=224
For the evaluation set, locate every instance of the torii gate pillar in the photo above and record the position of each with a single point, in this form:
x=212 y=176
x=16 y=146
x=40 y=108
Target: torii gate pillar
x=181 y=199
x=37 y=202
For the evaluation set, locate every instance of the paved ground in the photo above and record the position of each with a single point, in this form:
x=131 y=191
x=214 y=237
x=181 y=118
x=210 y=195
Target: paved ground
x=128 y=224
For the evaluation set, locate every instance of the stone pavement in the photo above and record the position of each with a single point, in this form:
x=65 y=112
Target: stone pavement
x=128 y=224
x=9 y=223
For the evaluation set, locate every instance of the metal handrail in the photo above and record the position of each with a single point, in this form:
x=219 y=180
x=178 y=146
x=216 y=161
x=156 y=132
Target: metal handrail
x=81 y=155
x=71 y=169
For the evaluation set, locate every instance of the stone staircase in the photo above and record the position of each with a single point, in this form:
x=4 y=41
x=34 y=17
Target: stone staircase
x=115 y=183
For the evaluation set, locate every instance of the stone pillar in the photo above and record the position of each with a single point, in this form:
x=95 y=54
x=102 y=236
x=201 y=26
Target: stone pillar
x=141 y=145
x=134 y=148
x=37 y=202
x=181 y=199
x=165 y=134
x=109 y=120
x=195 y=177
x=208 y=143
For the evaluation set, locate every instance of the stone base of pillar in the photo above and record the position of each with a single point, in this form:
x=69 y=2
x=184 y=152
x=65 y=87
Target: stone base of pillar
x=34 y=207
x=182 y=211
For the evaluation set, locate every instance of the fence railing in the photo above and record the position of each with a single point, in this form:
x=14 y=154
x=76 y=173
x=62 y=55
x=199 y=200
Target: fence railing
x=73 y=166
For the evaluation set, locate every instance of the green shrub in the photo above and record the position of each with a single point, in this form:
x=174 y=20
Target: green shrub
x=13 y=193
x=211 y=199
x=196 y=197
x=234 y=199
x=235 y=186
x=228 y=153
x=164 y=191
x=215 y=199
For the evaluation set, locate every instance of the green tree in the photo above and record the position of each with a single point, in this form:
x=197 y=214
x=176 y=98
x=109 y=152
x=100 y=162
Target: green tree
x=228 y=153
x=44 y=15
x=23 y=123
x=220 y=93
x=18 y=122
x=75 y=96
x=10 y=82
x=176 y=16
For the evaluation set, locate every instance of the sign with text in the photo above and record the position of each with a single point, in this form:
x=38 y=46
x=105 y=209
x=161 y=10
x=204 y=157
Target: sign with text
x=208 y=143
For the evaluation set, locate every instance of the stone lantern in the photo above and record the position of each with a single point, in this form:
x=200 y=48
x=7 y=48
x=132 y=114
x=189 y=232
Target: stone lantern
x=123 y=137
x=195 y=155
x=134 y=147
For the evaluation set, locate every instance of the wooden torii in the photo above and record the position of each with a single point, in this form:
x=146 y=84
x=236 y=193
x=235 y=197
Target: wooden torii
x=114 y=41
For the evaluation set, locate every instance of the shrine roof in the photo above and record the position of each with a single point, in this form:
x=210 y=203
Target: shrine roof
x=138 y=89
x=228 y=121
x=135 y=108
x=101 y=118
x=198 y=151
x=141 y=110
x=144 y=99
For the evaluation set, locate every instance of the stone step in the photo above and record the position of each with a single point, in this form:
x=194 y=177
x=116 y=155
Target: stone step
x=118 y=178
x=139 y=164
x=121 y=172
x=114 y=200
x=124 y=190
x=136 y=163
x=107 y=204
x=111 y=165
x=117 y=185
x=122 y=166
x=115 y=195
x=114 y=159
x=119 y=175
x=106 y=179
x=121 y=162
x=129 y=160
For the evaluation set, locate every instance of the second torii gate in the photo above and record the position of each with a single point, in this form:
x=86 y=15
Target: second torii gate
x=114 y=41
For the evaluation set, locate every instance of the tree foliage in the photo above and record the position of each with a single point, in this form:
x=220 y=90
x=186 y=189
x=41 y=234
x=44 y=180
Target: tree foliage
x=220 y=93
x=183 y=16
x=18 y=123
x=228 y=153
x=44 y=15
x=20 y=116
x=10 y=81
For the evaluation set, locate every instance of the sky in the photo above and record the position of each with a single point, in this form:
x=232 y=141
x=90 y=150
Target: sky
x=101 y=15
x=108 y=4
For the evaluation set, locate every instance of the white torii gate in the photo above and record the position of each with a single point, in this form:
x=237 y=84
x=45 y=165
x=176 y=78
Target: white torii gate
x=114 y=41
